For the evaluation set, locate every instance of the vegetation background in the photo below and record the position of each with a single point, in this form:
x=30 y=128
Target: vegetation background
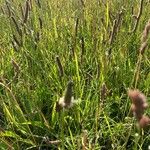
x=95 y=43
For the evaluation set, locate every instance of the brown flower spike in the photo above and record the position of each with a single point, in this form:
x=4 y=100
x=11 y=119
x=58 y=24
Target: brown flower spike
x=138 y=106
x=67 y=100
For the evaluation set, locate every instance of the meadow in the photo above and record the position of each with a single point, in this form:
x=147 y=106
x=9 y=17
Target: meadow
x=98 y=48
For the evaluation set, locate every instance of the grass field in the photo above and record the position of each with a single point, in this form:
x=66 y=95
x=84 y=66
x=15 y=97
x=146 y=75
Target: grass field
x=94 y=44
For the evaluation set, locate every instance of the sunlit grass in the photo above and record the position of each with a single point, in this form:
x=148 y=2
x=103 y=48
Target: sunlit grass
x=44 y=45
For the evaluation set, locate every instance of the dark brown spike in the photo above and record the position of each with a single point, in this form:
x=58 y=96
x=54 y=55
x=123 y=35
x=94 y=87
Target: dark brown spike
x=112 y=36
x=145 y=32
x=104 y=91
x=26 y=12
x=41 y=23
x=15 y=65
x=30 y=4
x=98 y=70
x=143 y=47
x=16 y=40
x=2 y=9
x=75 y=36
x=22 y=11
x=60 y=67
x=138 y=17
x=8 y=8
x=17 y=26
x=119 y=20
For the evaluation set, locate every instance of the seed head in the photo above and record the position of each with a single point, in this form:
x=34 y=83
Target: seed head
x=144 y=122
x=67 y=100
x=137 y=98
x=138 y=106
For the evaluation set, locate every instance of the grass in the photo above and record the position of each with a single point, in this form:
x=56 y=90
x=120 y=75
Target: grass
x=44 y=45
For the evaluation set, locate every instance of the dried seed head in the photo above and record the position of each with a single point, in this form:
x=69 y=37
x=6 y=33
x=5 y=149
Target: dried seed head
x=146 y=32
x=143 y=47
x=138 y=99
x=144 y=122
x=144 y=38
x=56 y=142
x=104 y=91
x=22 y=10
x=137 y=111
x=68 y=93
x=139 y=103
x=41 y=23
x=60 y=67
x=26 y=15
x=15 y=65
x=16 y=40
x=17 y=26
x=67 y=100
x=8 y=8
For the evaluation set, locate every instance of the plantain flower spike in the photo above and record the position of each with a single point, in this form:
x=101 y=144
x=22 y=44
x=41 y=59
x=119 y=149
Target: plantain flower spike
x=67 y=100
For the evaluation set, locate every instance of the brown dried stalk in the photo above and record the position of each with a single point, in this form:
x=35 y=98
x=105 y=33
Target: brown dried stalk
x=146 y=32
x=75 y=36
x=132 y=10
x=16 y=69
x=116 y=25
x=56 y=142
x=84 y=140
x=30 y=4
x=17 y=26
x=41 y=23
x=16 y=66
x=98 y=70
x=17 y=41
x=2 y=9
x=143 y=46
x=22 y=11
x=104 y=91
x=145 y=38
x=119 y=19
x=115 y=29
x=26 y=12
x=16 y=72
x=60 y=67
x=138 y=17
x=112 y=36
x=8 y=8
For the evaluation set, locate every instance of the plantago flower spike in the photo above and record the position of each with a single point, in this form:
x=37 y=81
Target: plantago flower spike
x=67 y=100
